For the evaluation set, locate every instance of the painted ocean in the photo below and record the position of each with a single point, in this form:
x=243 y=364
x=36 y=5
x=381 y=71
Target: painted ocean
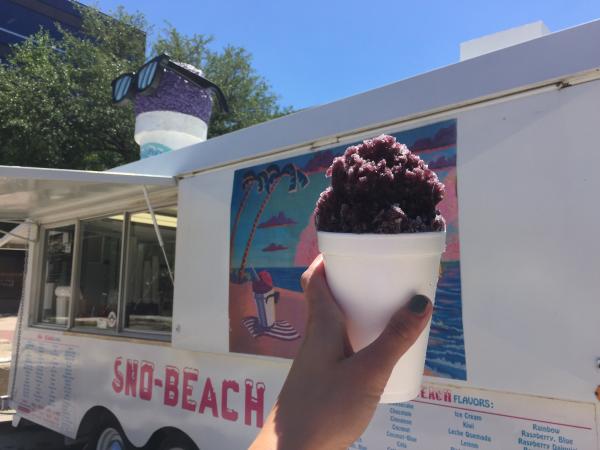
x=446 y=350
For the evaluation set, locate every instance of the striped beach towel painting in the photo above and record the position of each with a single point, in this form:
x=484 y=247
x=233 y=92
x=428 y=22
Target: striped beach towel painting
x=281 y=329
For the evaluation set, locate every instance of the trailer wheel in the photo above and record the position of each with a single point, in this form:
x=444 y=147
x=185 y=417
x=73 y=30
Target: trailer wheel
x=108 y=436
x=177 y=442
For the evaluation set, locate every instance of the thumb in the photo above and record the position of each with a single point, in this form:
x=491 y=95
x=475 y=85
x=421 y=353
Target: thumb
x=401 y=332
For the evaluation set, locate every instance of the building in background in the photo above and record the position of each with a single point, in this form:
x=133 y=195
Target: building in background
x=19 y=19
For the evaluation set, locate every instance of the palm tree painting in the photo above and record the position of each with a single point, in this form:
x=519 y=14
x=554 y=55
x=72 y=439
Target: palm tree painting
x=249 y=179
x=268 y=180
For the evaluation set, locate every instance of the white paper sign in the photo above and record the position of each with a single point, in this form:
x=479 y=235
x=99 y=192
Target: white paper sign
x=449 y=418
x=47 y=381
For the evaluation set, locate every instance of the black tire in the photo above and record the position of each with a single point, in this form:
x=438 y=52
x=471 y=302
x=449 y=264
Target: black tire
x=177 y=441
x=108 y=436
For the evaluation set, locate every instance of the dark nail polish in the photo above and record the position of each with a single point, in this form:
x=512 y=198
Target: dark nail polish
x=418 y=304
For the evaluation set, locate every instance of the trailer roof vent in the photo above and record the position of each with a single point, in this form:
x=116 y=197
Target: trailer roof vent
x=507 y=38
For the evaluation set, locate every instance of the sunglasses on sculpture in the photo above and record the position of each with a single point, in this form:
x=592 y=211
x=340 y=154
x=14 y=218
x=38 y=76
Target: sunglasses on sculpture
x=147 y=79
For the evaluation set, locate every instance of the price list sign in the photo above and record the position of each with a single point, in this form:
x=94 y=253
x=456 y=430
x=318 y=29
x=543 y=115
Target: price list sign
x=449 y=418
x=46 y=367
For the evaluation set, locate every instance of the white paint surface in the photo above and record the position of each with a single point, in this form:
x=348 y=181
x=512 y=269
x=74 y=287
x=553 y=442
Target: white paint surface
x=457 y=418
x=498 y=41
x=525 y=172
x=527 y=189
x=63 y=376
x=31 y=192
x=202 y=267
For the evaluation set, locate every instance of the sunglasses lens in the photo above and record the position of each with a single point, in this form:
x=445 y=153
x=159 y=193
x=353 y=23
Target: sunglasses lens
x=121 y=87
x=146 y=75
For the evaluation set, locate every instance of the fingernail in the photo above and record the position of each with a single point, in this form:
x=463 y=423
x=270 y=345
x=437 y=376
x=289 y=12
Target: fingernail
x=418 y=304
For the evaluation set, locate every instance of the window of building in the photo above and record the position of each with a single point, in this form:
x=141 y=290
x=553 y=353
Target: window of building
x=149 y=288
x=99 y=273
x=55 y=290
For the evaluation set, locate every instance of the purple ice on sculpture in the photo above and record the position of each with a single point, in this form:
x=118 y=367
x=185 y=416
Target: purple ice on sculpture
x=177 y=94
x=381 y=187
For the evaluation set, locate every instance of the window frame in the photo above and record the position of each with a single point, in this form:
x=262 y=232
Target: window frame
x=94 y=330
x=160 y=335
x=35 y=319
x=124 y=270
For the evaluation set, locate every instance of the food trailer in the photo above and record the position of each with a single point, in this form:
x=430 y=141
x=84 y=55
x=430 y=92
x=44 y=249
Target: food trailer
x=162 y=303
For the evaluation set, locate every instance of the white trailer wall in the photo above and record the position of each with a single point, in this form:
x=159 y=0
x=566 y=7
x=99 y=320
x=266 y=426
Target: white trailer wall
x=527 y=213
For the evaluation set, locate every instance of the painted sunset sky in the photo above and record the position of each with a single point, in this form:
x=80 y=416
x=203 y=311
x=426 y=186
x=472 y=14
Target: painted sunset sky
x=285 y=235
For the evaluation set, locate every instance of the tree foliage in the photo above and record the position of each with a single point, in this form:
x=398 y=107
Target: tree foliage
x=55 y=96
x=55 y=99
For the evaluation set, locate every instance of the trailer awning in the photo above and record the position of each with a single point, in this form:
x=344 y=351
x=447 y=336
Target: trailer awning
x=27 y=192
x=16 y=238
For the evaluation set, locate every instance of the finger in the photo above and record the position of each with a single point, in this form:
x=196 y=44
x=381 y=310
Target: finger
x=321 y=304
x=308 y=272
x=326 y=324
x=401 y=332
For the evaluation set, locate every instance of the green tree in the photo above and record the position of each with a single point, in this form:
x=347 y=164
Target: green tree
x=55 y=99
x=249 y=96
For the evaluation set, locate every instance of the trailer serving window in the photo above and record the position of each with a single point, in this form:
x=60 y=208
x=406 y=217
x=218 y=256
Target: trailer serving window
x=123 y=282
x=149 y=287
x=99 y=273
x=81 y=263
x=55 y=292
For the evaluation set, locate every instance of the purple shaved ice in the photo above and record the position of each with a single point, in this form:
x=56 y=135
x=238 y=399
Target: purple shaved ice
x=175 y=93
x=381 y=187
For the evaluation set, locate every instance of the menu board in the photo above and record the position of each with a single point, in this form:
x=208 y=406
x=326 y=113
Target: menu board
x=45 y=379
x=445 y=418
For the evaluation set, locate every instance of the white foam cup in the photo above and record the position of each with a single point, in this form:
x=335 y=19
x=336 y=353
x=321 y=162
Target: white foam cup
x=372 y=276
x=163 y=131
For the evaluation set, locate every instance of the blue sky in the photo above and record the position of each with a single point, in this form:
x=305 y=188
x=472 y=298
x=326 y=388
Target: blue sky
x=313 y=52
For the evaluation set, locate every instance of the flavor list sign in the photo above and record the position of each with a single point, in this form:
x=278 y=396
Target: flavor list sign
x=46 y=381
x=463 y=419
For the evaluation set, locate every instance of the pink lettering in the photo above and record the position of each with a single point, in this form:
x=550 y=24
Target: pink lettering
x=254 y=403
x=189 y=376
x=171 y=382
x=226 y=412
x=448 y=397
x=131 y=373
x=209 y=399
x=146 y=380
x=117 y=383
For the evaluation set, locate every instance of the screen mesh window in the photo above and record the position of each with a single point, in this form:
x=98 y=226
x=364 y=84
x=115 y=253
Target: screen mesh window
x=98 y=303
x=56 y=279
x=149 y=291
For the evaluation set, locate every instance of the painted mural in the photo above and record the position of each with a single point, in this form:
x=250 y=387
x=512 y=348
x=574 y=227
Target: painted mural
x=273 y=240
